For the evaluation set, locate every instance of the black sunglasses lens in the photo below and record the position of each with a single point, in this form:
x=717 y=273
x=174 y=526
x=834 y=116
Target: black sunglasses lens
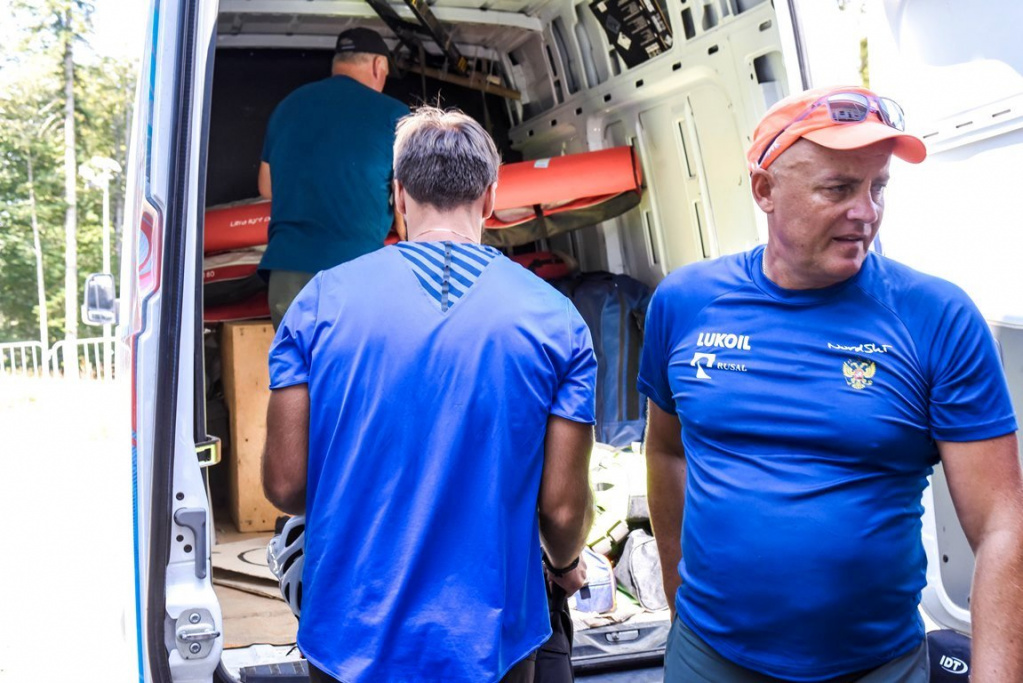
x=892 y=114
x=848 y=107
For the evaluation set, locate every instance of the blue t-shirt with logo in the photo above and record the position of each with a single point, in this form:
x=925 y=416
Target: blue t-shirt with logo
x=329 y=145
x=809 y=420
x=432 y=370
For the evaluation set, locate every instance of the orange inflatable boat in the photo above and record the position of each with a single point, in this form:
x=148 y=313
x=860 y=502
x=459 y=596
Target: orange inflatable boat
x=535 y=199
x=238 y=225
x=546 y=197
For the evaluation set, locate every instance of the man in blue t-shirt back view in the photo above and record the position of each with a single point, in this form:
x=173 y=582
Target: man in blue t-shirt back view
x=431 y=414
x=326 y=167
x=800 y=394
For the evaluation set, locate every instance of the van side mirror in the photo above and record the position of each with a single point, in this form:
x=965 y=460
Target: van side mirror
x=100 y=305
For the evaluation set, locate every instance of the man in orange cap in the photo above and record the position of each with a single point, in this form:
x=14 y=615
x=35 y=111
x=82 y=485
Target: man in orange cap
x=800 y=394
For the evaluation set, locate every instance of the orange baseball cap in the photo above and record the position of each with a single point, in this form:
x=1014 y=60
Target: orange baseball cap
x=838 y=118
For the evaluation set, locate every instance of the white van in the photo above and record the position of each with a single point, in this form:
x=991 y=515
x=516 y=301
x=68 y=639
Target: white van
x=682 y=82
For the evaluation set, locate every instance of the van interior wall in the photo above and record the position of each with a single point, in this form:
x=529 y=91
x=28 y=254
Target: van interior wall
x=249 y=83
x=688 y=112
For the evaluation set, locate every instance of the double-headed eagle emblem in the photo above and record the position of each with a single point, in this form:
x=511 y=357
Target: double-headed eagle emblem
x=858 y=374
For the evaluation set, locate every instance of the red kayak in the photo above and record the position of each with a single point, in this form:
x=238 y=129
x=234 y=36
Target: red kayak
x=535 y=199
x=547 y=197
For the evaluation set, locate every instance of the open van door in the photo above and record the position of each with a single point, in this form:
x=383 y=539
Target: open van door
x=957 y=69
x=178 y=621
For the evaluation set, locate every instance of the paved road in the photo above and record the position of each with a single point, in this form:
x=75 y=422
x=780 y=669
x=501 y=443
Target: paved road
x=65 y=498
x=65 y=495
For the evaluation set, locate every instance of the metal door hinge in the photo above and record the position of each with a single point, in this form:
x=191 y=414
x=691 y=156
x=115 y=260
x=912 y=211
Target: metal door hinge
x=195 y=633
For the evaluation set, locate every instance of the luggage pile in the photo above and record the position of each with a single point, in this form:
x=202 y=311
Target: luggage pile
x=234 y=237
x=623 y=567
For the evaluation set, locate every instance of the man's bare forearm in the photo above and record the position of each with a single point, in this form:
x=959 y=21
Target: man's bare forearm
x=997 y=607
x=986 y=484
x=564 y=536
x=566 y=502
x=285 y=455
x=666 y=492
x=666 y=484
x=263 y=182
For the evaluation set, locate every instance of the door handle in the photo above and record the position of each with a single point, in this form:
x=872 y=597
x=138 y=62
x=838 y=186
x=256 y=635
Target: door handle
x=195 y=519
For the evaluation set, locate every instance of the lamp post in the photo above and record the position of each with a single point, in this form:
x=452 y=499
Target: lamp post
x=98 y=172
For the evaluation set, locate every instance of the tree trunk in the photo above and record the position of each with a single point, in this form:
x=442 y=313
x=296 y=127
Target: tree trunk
x=44 y=329
x=123 y=137
x=70 y=190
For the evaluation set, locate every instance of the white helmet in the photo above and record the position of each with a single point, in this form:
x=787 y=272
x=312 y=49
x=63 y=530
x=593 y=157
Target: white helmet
x=285 y=555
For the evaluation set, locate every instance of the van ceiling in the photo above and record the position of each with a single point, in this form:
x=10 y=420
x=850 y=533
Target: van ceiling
x=478 y=28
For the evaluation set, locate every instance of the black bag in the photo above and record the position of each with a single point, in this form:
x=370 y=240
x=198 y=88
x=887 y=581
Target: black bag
x=614 y=308
x=949 y=654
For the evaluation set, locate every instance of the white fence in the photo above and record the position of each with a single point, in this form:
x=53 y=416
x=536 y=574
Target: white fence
x=26 y=359
x=91 y=358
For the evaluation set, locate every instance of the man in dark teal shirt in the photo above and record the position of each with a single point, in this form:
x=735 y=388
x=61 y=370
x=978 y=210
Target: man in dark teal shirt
x=327 y=157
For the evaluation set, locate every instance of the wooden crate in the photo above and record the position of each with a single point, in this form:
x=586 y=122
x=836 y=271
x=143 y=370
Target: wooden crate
x=244 y=347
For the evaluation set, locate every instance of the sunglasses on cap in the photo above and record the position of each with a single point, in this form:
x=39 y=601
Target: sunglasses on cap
x=847 y=107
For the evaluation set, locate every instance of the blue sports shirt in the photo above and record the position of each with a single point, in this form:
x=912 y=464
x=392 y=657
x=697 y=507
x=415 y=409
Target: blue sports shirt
x=432 y=369
x=809 y=420
x=329 y=145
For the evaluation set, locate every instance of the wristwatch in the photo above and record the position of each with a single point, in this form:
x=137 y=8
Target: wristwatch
x=559 y=571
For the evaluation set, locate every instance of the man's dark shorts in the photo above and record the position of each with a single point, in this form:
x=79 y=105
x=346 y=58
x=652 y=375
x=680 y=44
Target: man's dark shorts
x=520 y=673
x=284 y=287
x=688 y=659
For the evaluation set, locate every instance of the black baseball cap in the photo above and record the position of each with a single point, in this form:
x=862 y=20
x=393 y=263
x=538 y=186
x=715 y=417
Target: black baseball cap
x=361 y=40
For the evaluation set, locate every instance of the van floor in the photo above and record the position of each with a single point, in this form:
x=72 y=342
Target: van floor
x=253 y=611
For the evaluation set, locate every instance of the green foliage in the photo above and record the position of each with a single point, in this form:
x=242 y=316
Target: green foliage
x=29 y=135
x=32 y=136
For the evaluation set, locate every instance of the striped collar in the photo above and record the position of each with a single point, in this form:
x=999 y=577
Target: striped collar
x=446 y=270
